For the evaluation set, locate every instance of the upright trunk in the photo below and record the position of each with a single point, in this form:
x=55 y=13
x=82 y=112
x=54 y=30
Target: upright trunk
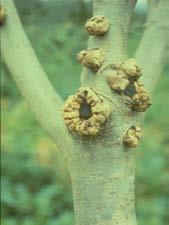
x=103 y=184
x=102 y=170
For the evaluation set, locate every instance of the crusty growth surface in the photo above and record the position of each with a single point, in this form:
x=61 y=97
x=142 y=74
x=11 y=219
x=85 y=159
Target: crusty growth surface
x=132 y=136
x=123 y=73
x=92 y=58
x=97 y=25
x=124 y=79
x=131 y=69
x=85 y=112
x=118 y=81
x=141 y=98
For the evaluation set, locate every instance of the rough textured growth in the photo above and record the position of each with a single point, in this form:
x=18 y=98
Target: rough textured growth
x=3 y=14
x=85 y=112
x=92 y=59
x=123 y=75
x=141 y=99
x=132 y=136
x=124 y=80
x=118 y=82
x=97 y=25
x=117 y=64
x=132 y=69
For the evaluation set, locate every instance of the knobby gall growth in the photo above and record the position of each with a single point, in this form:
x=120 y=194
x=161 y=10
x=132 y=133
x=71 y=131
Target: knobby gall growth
x=132 y=136
x=123 y=73
x=118 y=81
x=124 y=80
x=86 y=112
x=3 y=14
x=141 y=98
x=92 y=58
x=131 y=69
x=97 y=25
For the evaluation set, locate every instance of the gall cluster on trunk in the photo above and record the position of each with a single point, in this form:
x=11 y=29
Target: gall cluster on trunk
x=124 y=80
x=118 y=81
x=3 y=14
x=86 y=112
x=97 y=25
x=132 y=136
x=91 y=59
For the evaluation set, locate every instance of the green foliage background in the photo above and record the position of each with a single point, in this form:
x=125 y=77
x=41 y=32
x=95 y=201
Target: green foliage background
x=35 y=183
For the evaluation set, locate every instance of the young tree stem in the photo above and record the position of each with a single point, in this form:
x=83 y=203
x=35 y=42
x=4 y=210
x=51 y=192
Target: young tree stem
x=31 y=79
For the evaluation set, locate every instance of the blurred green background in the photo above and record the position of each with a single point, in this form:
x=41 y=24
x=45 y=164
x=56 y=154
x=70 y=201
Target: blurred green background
x=35 y=183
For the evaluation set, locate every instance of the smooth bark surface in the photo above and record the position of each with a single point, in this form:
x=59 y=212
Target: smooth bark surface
x=152 y=50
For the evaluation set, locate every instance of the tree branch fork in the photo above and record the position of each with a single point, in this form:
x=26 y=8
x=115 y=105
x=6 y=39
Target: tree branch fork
x=93 y=155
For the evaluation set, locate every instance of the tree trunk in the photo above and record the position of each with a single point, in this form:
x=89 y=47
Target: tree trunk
x=103 y=187
x=103 y=169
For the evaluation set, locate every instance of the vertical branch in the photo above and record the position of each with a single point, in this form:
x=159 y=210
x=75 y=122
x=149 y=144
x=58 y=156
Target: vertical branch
x=103 y=171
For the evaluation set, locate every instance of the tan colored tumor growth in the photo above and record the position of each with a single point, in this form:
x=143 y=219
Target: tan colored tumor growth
x=123 y=73
x=132 y=136
x=131 y=69
x=123 y=79
x=97 y=25
x=3 y=14
x=141 y=98
x=86 y=112
x=118 y=81
x=92 y=58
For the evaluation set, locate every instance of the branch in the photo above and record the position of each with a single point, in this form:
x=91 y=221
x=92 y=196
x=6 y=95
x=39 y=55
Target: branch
x=30 y=77
x=151 y=52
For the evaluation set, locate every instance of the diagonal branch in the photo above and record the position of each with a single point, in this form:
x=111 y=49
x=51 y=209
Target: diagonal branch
x=152 y=50
x=30 y=77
